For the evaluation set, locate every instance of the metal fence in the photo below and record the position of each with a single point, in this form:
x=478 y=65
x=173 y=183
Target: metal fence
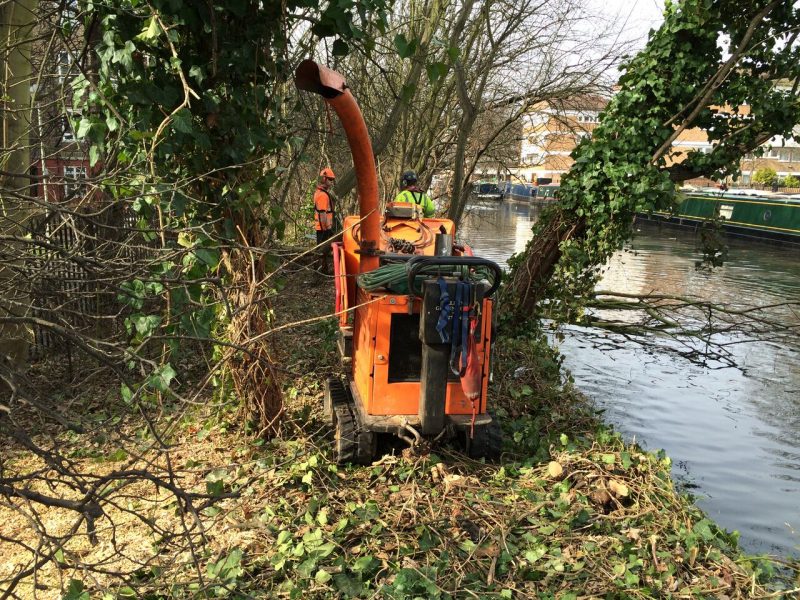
x=70 y=275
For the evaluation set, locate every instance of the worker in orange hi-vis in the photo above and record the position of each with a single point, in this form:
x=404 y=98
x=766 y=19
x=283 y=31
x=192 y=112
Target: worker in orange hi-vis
x=324 y=212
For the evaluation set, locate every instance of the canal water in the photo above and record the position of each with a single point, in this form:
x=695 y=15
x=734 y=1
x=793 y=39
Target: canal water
x=733 y=433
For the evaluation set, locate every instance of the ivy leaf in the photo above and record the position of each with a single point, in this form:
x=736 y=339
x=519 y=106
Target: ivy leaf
x=703 y=529
x=75 y=591
x=84 y=128
x=283 y=537
x=365 y=563
x=127 y=393
x=208 y=257
x=322 y=576
x=215 y=488
x=150 y=32
x=228 y=567
x=146 y=324
x=162 y=377
x=340 y=48
x=196 y=72
x=436 y=70
x=405 y=49
x=94 y=155
x=182 y=121
x=453 y=53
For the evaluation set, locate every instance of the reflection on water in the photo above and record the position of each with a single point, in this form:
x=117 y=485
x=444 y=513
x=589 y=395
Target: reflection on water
x=498 y=229
x=733 y=433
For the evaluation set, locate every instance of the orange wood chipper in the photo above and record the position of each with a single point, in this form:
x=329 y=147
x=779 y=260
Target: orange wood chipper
x=415 y=314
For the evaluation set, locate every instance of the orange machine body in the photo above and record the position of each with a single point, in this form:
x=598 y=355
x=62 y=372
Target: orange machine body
x=410 y=230
x=385 y=373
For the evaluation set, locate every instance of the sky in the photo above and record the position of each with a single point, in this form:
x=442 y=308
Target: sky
x=629 y=20
x=634 y=17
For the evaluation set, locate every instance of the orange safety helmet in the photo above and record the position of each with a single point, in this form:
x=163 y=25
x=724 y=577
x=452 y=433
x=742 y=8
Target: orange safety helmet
x=327 y=172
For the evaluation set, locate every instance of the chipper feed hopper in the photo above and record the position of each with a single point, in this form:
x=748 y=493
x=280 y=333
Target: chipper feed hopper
x=415 y=314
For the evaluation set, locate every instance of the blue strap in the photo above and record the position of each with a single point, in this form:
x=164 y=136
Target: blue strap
x=445 y=311
x=459 y=327
x=456 y=316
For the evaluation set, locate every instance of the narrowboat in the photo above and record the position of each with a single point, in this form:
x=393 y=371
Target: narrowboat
x=518 y=191
x=547 y=192
x=487 y=190
x=742 y=213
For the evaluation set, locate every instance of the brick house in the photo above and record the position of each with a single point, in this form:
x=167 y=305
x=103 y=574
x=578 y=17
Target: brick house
x=59 y=163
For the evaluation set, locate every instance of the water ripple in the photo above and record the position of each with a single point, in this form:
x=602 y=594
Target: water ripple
x=733 y=434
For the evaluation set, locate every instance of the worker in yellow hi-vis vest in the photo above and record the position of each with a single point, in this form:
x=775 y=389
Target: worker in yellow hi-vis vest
x=409 y=192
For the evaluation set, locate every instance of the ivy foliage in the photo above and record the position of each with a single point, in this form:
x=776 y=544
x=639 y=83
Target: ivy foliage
x=728 y=67
x=186 y=108
x=199 y=88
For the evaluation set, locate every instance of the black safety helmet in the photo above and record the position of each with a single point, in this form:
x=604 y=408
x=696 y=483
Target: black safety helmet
x=408 y=179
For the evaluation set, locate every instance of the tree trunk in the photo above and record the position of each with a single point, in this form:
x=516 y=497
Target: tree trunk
x=460 y=191
x=16 y=23
x=250 y=361
x=541 y=256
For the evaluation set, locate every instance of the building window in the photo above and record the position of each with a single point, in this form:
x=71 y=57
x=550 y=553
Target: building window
x=726 y=211
x=532 y=158
x=64 y=65
x=73 y=179
x=69 y=16
x=67 y=133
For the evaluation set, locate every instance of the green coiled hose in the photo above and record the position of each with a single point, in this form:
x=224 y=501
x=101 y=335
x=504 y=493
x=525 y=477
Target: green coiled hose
x=394 y=276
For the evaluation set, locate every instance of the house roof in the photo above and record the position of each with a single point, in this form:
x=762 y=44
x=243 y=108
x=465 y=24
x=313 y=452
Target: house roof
x=695 y=134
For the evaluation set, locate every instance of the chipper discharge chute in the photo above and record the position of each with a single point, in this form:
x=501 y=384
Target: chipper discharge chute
x=415 y=314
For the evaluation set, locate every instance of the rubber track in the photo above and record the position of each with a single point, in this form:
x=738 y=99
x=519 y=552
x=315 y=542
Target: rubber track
x=336 y=393
x=345 y=442
x=487 y=442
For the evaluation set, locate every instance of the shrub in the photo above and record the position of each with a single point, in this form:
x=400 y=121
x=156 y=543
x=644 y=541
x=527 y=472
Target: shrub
x=791 y=181
x=765 y=176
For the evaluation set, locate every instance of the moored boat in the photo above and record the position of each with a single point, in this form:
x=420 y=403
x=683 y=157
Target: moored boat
x=487 y=190
x=547 y=192
x=518 y=191
x=743 y=213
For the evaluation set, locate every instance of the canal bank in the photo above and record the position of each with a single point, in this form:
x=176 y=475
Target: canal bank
x=732 y=433
x=569 y=511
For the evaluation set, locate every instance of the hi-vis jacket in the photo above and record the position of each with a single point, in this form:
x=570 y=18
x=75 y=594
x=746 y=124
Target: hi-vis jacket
x=323 y=210
x=419 y=198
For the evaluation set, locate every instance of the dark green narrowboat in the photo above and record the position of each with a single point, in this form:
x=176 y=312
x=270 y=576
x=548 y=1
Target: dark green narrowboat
x=744 y=213
x=547 y=192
